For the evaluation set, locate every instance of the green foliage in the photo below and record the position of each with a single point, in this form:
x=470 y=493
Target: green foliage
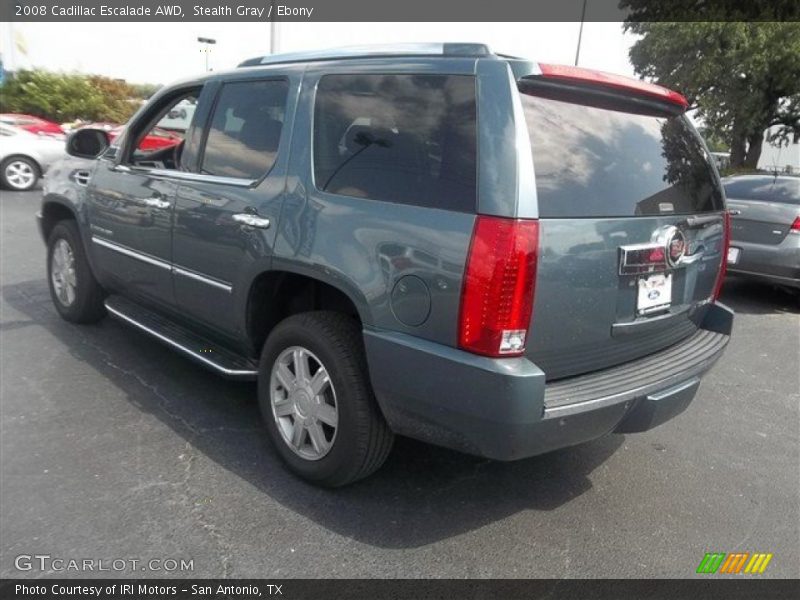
x=742 y=77
x=145 y=90
x=64 y=97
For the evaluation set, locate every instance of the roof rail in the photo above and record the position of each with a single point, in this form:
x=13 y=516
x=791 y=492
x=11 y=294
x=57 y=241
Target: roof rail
x=372 y=51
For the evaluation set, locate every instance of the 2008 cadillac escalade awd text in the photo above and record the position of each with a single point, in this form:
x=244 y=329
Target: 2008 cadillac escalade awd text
x=478 y=251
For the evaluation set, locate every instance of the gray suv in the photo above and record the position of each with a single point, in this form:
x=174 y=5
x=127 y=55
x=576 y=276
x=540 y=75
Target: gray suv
x=478 y=251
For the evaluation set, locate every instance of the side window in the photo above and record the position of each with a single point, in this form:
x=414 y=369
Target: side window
x=245 y=129
x=158 y=141
x=398 y=138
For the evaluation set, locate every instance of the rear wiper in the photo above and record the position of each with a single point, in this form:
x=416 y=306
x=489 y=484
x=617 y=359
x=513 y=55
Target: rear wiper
x=700 y=221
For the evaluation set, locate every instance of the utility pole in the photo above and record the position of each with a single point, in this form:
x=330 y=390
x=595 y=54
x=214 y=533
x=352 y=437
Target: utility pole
x=206 y=48
x=580 y=34
x=274 y=39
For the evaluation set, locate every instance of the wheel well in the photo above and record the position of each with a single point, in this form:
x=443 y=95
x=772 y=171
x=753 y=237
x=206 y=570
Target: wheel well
x=279 y=294
x=52 y=213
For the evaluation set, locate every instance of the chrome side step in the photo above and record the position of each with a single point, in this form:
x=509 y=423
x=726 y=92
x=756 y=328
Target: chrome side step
x=208 y=354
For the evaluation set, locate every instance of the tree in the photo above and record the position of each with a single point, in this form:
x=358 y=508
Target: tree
x=66 y=97
x=742 y=77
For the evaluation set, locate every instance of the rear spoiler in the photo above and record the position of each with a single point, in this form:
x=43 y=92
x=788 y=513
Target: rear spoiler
x=602 y=86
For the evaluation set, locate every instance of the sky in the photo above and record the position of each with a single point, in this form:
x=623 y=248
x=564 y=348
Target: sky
x=163 y=52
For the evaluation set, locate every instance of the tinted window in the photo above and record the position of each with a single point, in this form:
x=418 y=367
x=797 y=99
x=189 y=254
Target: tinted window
x=398 y=138
x=596 y=162
x=245 y=129
x=765 y=189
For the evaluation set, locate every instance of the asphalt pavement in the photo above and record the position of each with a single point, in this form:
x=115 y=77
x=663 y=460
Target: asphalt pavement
x=114 y=447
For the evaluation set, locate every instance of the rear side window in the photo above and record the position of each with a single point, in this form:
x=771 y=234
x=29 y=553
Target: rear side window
x=597 y=162
x=245 y=129
x=765 y=189
x=397 y=138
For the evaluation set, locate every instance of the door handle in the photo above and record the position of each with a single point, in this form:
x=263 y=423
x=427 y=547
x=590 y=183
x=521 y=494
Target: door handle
x=156 y=203
x=251 y=220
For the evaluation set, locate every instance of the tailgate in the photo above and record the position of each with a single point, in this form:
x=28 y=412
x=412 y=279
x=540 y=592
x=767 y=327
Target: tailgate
x=631 y=218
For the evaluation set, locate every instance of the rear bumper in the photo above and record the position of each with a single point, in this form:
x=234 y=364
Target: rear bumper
x=502 y=409
x=779 y=263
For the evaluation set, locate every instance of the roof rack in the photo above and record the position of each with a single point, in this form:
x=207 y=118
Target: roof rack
x=372 y=51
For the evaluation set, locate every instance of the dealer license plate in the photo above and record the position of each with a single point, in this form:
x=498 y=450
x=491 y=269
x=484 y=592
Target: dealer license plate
x=655 y=293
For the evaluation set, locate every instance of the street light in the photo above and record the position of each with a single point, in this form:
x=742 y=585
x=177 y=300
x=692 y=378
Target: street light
x=207 y=42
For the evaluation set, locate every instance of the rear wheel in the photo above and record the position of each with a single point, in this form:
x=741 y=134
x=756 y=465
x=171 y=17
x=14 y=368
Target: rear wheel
x=317 y=402
x=75 y=292
x=19 y=173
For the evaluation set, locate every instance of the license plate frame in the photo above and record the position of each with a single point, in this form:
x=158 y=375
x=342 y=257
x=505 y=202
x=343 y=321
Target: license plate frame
x=654 y=293
x=734 y=254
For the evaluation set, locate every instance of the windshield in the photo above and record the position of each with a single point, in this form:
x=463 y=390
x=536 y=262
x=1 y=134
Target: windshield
x=597 y=162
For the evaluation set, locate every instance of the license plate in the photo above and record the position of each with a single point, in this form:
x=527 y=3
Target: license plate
x=655 y=293
x=733 y=255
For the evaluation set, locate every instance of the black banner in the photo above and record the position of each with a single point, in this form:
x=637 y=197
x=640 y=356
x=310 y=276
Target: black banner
x=368 y=589
x=405 y=10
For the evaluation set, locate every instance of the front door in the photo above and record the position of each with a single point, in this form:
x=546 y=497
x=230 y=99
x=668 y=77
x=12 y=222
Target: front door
x=131 y=199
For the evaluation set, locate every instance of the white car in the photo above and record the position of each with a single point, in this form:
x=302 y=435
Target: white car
x=24 y=157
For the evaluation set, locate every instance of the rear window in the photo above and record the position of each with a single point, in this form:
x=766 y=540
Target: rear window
x=766 y=189
x=597 y=162
x=397 y=138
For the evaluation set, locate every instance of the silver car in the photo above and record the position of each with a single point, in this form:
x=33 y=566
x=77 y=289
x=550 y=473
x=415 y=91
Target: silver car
x=24 y=157
x=765 y=232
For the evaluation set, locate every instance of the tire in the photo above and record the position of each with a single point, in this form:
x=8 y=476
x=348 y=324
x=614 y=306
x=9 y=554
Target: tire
x=85 y=303
x=19 y=173
x=361 y=439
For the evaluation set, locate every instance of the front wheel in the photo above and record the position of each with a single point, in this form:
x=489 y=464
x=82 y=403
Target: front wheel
x=317 y=402
x=75 y=292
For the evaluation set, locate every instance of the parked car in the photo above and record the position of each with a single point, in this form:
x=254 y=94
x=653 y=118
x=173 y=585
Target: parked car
x=157 y=138
x=765 y=232
x=24 y=157
x=35 y=125
x=342 y=228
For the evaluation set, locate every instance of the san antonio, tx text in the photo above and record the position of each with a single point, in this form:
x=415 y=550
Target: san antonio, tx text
x=59 y=589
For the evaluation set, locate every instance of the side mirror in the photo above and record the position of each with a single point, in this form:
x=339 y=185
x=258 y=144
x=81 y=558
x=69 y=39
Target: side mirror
x=88 y=143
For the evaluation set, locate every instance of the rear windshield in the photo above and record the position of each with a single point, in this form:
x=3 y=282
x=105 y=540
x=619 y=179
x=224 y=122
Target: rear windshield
x=596 y=162
x=764 y=189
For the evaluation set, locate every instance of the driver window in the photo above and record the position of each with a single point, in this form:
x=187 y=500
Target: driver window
x=160 y=144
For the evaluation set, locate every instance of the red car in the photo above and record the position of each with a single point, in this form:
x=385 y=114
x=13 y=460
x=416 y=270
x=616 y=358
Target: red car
x=33 y=124
x=157 y=139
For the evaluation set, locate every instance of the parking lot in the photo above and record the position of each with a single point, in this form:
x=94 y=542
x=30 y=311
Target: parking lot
x=112 y=446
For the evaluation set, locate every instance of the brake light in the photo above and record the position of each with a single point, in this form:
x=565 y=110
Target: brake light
x=498 y=291
x=795 y=228
x=580 y=75
x=723 y=268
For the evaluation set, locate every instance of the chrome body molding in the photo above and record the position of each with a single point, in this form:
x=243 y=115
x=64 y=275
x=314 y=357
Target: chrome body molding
x=202 y=278
x=157 y=262
x=151 y=260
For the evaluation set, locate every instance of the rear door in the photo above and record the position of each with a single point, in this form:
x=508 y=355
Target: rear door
x=226 y=213
x=631 y=229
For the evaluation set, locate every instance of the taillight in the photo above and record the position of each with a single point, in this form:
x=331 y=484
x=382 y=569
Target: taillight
x=498 y=291
x=795 y=228
x=723 y=268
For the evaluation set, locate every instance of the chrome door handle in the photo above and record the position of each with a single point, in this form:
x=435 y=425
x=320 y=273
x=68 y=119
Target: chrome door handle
x=156 y=203
x=251 y=220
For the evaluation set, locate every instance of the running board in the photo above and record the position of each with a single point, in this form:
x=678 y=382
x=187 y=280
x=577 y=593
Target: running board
x=208 y=354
